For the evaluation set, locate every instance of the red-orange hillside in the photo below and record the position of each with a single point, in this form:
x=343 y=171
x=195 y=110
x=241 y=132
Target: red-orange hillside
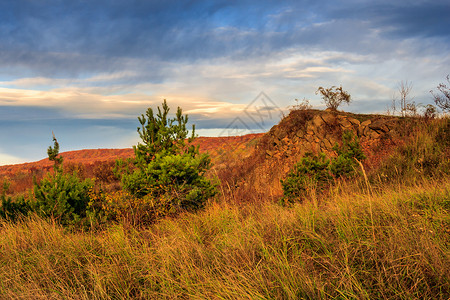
x=87 y=157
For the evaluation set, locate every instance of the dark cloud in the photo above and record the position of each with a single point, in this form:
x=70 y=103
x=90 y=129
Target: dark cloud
x=64 y=37
x=118 y=28
x=411 y=19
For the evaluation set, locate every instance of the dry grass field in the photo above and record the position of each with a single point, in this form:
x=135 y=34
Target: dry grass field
x=382 y=235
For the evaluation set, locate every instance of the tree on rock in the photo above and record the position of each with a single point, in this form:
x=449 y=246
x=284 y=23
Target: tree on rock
x=334 y=96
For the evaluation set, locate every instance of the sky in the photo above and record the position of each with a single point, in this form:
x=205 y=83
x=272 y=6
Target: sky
x=87 y=69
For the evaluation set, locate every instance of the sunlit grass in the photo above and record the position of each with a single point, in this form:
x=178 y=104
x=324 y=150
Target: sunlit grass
x=391 y=244
x=381 y=235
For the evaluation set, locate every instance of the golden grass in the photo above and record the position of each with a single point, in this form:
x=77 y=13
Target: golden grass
x=390 y=244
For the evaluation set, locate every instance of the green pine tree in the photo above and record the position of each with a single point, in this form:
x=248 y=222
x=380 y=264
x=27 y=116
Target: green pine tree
x=62 y=197
x=166 y=166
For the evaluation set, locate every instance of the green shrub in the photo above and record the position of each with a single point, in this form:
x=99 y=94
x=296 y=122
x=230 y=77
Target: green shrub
x=345 y=164
x=62 y=197
x=14 y=208
x=310 y=173
x=315 y=173
x=166 y=165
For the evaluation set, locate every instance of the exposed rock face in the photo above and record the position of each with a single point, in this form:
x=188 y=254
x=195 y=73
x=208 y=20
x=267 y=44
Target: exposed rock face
x=321 y=130
x=315 y=131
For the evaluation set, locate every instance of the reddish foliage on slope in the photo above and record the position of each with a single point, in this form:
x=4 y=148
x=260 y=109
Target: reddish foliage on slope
x=78 y=156
x=98 y=163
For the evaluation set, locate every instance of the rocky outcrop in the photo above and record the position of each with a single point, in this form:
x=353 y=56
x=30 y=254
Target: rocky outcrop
x=313 y=131
x=322 y=130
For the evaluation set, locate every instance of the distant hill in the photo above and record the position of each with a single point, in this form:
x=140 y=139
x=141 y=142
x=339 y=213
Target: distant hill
x=21 y=175
x=212 y=145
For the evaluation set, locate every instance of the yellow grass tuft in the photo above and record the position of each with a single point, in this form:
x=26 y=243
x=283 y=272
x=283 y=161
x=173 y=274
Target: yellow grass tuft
x=389 y=244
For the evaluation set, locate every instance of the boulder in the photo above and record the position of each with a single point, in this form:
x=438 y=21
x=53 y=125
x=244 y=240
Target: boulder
x=345 y=123
x=317 y=120
x=374 y=134
x=379 y=125
x=354 y=121
x=327 y=144
x=279 y=133
x=366 y=123
x=363 y=129
x=329 y=118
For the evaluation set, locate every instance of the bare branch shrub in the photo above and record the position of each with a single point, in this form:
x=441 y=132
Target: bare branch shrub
x=407 y=106
x=334 y=96
x=301 y=105
x=443 y=101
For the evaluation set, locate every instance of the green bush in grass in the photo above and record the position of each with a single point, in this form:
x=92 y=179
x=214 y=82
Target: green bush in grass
x=312 y=172
x=316 y=172
x=62 y=197
x=166 y=166
x=349 y=153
